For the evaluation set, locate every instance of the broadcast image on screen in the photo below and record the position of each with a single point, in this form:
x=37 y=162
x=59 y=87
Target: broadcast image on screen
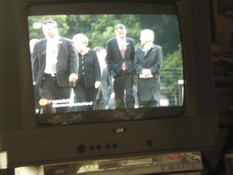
x=101 y=64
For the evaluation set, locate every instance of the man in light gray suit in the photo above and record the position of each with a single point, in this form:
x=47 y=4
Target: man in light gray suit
x=54 y=66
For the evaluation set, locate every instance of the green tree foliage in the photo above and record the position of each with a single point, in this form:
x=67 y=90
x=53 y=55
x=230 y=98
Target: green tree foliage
x=166 y=28
x=171 y=72
x=35 y=24
x=99 y=28
x=174 y=59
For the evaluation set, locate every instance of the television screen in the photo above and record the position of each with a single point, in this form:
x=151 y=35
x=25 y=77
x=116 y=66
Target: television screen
x=106 y=66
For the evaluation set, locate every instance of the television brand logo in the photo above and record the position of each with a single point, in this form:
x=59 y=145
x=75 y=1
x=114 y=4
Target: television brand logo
x=119 y=130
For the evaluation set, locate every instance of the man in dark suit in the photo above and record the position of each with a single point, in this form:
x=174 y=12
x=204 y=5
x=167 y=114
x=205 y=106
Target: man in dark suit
x=54 y=66
x=105 y=89
x=148 y=60
x=120 y=56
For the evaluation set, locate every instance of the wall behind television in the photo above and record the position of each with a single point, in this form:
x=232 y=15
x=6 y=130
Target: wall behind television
x=223 y=25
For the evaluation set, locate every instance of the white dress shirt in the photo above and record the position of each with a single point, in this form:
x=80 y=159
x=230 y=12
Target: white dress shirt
x=51 y=55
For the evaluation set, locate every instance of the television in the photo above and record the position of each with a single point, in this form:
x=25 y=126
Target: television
x=185 y=120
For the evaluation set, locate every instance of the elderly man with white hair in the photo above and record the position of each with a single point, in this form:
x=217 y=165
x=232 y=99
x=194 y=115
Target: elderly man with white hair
x=147 y=63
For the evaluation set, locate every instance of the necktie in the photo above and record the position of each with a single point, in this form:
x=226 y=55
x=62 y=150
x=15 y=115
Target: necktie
x=122 y=49
x=123 y=55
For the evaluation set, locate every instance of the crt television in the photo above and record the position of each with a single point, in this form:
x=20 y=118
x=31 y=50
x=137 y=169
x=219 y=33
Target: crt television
x=185 y=120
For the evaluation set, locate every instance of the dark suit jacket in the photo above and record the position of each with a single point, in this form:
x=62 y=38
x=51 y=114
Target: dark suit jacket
x=114 y=58
x=106 y=85
x=91 y=68
x=66 y=61
x=152 y=60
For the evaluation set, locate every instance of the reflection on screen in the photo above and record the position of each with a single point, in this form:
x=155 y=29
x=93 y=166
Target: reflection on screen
x=108 y=62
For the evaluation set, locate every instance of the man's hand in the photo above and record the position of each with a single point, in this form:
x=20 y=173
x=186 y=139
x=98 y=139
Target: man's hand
x=73 y=78
x=97 y=84
x=146 y=73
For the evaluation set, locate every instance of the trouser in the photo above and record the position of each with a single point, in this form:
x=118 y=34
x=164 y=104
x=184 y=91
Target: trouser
x=51 y=91
x=123 y=88
x=84 y=96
